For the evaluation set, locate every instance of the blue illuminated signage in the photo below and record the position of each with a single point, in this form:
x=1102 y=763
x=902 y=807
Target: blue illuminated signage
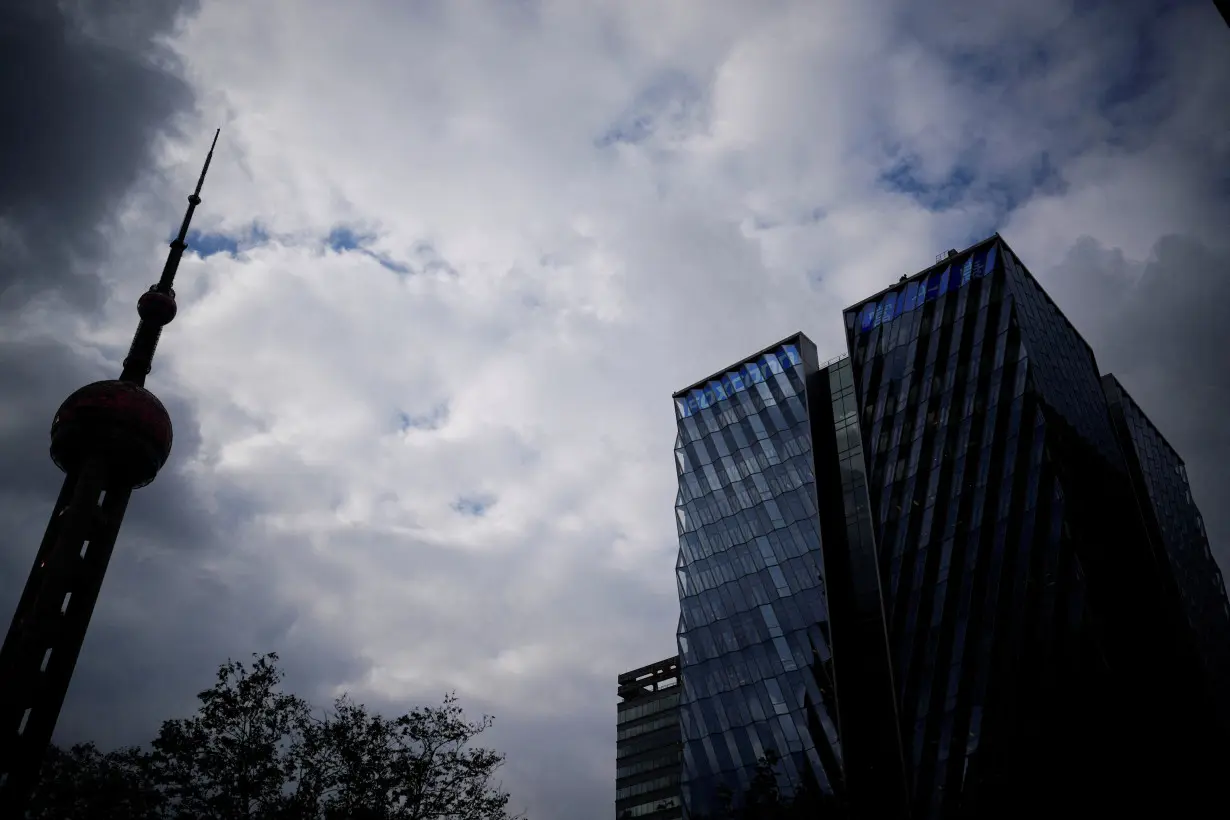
x=918 y=292
x=890 y=306
x=911 y=296
x=990 y=263
x=735 y=381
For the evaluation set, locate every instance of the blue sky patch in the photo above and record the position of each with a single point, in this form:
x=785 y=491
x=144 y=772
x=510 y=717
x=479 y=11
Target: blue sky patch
x=934 y=196
x=206 y=244
x=387 y=262
x=1004 y=193
x=430 y=260
x=667 y=97
x=433 y=419
x=631 y=131
x=344 y=238
x=473 y=506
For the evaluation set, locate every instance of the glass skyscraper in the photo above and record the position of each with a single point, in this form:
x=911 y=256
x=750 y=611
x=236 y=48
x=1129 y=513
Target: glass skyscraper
x=755 y=634
x=959 y=545
x=754 y=624
x=1038 y=658
x=984 y=597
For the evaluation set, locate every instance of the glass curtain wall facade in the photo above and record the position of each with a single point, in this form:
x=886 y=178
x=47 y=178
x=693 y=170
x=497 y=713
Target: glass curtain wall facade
x=648 y=754
x=1017 y=586
x=1160 y=479
x=954 y=443
x=872 y=760
x=753 y=631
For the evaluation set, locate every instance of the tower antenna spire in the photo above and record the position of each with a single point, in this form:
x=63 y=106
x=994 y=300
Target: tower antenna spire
x=109 y=438
x=157 y=306
x=180 y=243
x=205 y=168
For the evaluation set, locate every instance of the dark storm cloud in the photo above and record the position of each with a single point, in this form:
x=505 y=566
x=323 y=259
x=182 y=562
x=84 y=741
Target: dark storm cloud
x=1043 y=84
x=85 y=90
x=163 y=627
x=34 y=374
x=1161 y=328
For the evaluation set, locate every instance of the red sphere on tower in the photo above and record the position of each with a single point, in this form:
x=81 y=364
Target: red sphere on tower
x=120 y=423
x=156 y=307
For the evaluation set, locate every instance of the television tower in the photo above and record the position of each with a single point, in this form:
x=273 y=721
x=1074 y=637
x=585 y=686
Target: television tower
x=109 y=438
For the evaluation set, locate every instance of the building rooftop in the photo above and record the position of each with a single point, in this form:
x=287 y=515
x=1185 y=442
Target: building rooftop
x=649 y=679
x=702 y=382
x=940 y=262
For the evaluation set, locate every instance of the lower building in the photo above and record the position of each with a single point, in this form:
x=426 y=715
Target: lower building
x=648 y=752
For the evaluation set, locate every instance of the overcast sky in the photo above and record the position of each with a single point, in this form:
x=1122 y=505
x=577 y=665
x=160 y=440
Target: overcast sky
x=456 y=256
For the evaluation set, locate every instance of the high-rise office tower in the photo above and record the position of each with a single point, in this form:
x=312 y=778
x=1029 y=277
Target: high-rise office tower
x=946 y=571
x=648 y=753
x=757 y=634
x=1039 y=659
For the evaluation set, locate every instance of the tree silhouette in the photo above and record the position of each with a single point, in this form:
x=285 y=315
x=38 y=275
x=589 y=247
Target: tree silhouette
x=82 y=783
x=254 y=752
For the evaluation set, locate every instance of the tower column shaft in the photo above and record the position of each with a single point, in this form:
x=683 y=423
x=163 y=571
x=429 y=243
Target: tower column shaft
x=141 y=353
x=44 y=641
x=178 y=246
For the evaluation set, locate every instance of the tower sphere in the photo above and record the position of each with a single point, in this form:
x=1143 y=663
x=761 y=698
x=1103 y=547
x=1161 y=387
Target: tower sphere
x=156 y=307
x=122 y=423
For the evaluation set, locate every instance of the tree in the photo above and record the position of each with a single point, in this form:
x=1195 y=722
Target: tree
x=255 y=752
x=416 y=767
x=85 y=783
x=240 y=754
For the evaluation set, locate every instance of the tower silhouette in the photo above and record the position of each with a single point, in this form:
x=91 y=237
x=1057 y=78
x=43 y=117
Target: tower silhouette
x=110 y=438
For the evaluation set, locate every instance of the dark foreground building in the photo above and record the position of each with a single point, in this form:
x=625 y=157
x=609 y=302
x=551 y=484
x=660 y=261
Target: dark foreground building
x=1042 y=660
x=648 y=755
x=947 y=570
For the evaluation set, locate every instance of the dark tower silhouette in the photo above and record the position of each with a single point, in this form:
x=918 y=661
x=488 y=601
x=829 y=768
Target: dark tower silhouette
x=109 y=438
